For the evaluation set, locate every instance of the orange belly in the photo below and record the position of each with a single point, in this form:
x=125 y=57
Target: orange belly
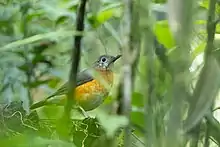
x=90 y=95
x=84 y=91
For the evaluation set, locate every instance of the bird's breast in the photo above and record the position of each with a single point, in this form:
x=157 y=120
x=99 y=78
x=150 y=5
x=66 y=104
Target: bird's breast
x=91 y=94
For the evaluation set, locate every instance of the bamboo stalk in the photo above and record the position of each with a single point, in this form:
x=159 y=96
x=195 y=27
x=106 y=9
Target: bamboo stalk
x=181 y=20
x=127 y=67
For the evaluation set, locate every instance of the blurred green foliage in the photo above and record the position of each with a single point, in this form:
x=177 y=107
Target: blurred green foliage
x=36 y=37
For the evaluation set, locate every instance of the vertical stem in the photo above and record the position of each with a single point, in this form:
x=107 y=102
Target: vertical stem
x=207 y=134
x=127 y=67
x=214 y=127
x=207 y=70
x=182 y=17
x=150 y=99
x=76 y=53
x=195 y=136
x=127 y=101
x=211 y=27
x=146 y=26
x=134 y=43
x=29 y=72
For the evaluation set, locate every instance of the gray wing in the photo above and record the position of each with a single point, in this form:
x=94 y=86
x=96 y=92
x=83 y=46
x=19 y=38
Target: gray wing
x=82 y=77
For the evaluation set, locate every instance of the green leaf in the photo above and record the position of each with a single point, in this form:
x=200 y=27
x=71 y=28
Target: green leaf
x=163 y=34
x=160 y=1
x=111 y=123
x=39 y=141
x=204 y=94
x=105 y=14
x=137 y=119
x=53 y=83
x=39 y=37
x=200 y=49
x=62 y=19
x=137 y=99
x=34 y=15
x=86 y=132
x=204 y=4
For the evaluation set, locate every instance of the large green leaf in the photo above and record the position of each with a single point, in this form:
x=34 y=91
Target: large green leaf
x=205 y=93
x=163 y=33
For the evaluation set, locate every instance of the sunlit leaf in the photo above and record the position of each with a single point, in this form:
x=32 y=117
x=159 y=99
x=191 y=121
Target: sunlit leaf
x=163 y=34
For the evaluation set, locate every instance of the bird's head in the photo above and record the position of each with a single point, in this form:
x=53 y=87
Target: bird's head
x=105 y=62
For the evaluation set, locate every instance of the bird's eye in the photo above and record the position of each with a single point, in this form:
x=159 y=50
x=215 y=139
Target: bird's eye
x=103 y=59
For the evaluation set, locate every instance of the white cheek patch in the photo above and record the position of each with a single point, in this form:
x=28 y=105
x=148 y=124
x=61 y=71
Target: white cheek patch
x=105 y=64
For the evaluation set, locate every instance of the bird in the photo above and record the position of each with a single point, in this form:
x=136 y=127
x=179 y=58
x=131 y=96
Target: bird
x=90 y=92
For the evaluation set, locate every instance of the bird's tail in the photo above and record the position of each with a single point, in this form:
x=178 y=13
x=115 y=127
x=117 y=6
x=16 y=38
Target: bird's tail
x=61 y=91
x=48 y=101
x=38 y=104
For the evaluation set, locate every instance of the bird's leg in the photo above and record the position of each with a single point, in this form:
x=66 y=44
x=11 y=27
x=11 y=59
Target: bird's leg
x=81 y=111
x=84 y=112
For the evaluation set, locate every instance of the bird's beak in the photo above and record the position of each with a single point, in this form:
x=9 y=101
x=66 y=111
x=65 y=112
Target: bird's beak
x=115 y=58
